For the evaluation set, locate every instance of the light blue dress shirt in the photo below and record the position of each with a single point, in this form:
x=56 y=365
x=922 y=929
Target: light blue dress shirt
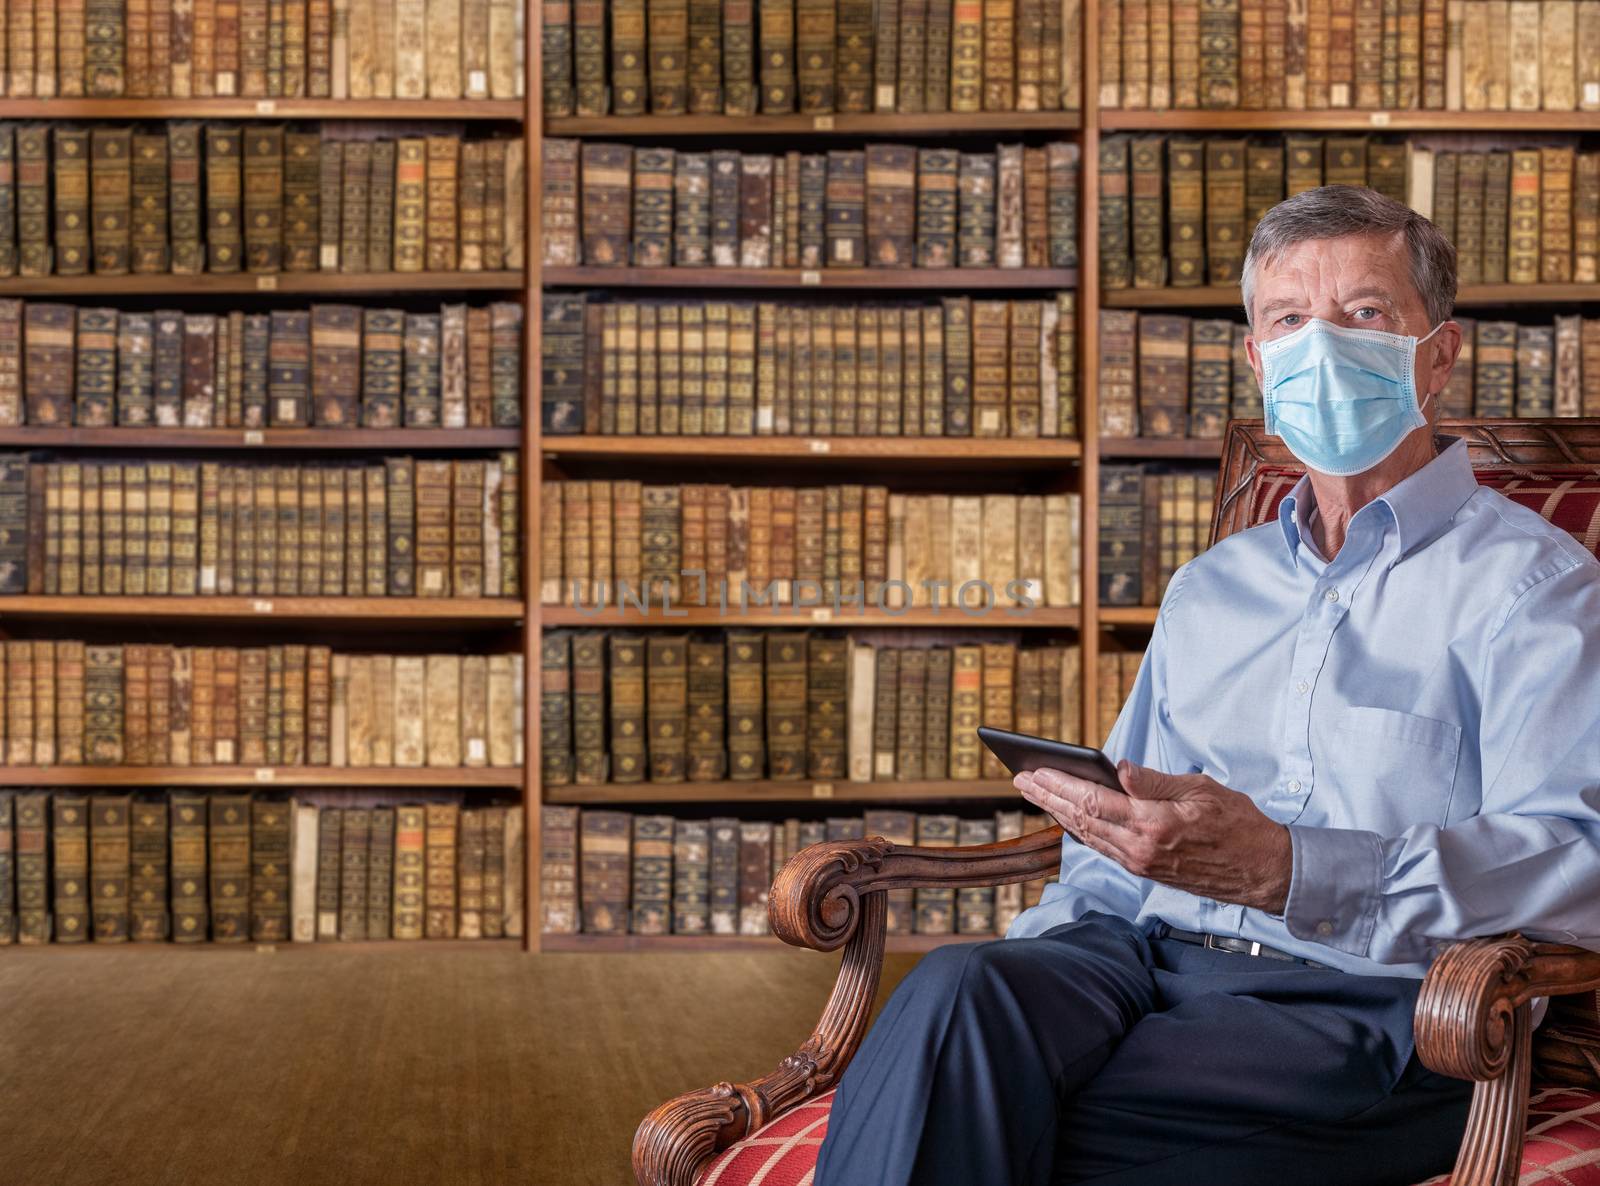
x=1423 y=712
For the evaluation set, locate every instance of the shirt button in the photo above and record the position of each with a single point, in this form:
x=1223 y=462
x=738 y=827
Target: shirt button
x=1332 y=595
x=1294 y=785
x=1302 y=687
x=1324 y=927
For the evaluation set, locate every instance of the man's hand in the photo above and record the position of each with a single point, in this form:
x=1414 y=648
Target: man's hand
x=1183 y=830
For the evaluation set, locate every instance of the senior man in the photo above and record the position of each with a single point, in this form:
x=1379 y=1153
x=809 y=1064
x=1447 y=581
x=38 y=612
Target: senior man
x=1360 y=732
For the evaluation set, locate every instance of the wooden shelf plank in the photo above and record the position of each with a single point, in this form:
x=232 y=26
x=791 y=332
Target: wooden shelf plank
x=757 y=450
x=244 y=282
x=396 y=109
x=1128 y=615
x=451 y=945
x=914 y=944
x=773 y=791
x=796 y=618
x=262 y=777
x=942 y=279
x=265 y=438
x=1345 y=120
x=1161 y=447
x=941 y=123
x=421 y=610
x=1219 y=296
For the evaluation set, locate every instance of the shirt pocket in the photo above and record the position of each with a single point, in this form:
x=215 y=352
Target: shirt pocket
x=1390 y=770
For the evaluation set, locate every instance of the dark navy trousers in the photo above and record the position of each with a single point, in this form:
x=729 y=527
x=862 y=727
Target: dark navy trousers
x=1094 y=1054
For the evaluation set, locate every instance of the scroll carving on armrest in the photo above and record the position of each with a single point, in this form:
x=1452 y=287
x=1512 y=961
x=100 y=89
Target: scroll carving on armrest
x=816 y=900
x=1463 y=1017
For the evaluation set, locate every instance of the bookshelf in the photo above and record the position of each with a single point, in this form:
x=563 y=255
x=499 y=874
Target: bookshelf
x=819 y=460
x=468 y=625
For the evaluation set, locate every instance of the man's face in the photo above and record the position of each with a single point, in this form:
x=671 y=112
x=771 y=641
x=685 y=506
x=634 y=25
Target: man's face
x=1360 y=281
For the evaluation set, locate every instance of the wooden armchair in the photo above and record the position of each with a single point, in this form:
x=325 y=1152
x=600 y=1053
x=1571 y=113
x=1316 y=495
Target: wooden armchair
x=1473 y=1015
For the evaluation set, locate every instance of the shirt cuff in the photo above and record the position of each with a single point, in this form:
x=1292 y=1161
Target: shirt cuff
x=1334 y=887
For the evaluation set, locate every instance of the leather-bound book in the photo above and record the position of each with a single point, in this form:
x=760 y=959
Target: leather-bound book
x=70 y=866
x=109 y=866
x=935 y=908
x=8 y=900
x=1116 y=236
x=891 y=193
x=845 y=212
x=36 y=255
x=1264 y=180
x=909 y=714
x=441 y=710
x=755 y=875
x=1252 y=54
x=440 y=901
x=47 y=349
x=652 y=214
x=666 y=706
x=558 y=870
x=1120 y=533
x=410 y=869
x=224 y=191
x=588 y=707
x=707 y=753
x=1210 y=377
x=815 y=30
x=606 y=179
x=724 y=876
x=812 y=210
x=74 y=250
x=229 y=867
x=1369 y=55
x=690 y=210
x=1535 y=390
x=746 y=747
x=853 y=56
x=34 y=919
x=441 y=246
x=1303 y=163
x=11 y=359
x=1387 y=169
x=691 y=877
x=494 y=870
x=1225 y=210
x=148 y=870
x=1586 y=214
x=1010 y=226
x=271 y=821
x=755 y=210
x=1555 y=222
x=421 y=382
x=303 y=872
x=187 y=813
x=1468 y=239
x=999 y=665
x=1522 y=253
x=263 y=198
x=111 y=193
x=605 y=867
x=827 y=671
x=96 y=367
x=786 y=704
x=330 y=829
x=378 y=250
x=723 y=227
x=103 y=706
x=1163 y=375
x=937 y=206
x=1219 y=53
x=168 y=354
x=1568 y=383
x=1024 y=395
x=885 y=712
x=958 y=373
x=199 y=370
x=380 y=865
x=652 y=874
x=469 y=875
x=862 y=693
x=380 y=354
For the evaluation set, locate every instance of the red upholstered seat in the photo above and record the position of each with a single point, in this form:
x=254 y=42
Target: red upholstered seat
x=1569 y=499
x=1563 y=1147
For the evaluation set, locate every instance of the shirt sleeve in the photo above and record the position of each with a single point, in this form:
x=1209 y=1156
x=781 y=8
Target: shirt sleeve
x=1089 y=880
x=1530 y=859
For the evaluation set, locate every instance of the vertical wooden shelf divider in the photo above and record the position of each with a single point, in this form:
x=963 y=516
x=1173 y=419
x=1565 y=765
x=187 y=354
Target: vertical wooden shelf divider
x=1089 y=368
x=532 y=461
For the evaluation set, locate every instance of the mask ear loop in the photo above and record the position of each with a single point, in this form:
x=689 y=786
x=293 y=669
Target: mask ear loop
x=1433 y=395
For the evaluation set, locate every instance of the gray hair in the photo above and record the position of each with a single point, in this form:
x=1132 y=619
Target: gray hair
x=1334 y=211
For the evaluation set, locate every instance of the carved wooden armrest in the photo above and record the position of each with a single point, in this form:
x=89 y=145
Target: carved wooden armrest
x=1473 y=1021
x=827 y=896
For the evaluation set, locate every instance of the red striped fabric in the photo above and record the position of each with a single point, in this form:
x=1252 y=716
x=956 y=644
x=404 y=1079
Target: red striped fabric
x=1569 y=499
x=1563 y=1145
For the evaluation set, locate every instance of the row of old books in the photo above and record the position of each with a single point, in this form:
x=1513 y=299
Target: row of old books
x=1168 y=375
x=1153 y=521
x=789 y=705
x=335 y=366
x=740 y=547
x=606 y=872
x=1464 y=55
x=1181 y=211
x=68 y=703
x=885 y=206
x=813 y=56
x=1506 y=369
x=184 y=866
x=187 y=198
x=157 y=49
x=962 y=367
x=401 y=527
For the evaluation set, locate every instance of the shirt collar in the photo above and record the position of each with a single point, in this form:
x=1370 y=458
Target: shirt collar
x=1421 y=504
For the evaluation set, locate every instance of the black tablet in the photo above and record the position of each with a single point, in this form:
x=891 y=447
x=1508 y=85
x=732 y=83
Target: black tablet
x=1019 y=752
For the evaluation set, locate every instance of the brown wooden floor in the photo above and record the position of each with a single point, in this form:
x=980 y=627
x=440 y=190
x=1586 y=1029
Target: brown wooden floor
x=375 y=1065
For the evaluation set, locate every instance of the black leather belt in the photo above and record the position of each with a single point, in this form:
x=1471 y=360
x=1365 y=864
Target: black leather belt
x=1229 y=943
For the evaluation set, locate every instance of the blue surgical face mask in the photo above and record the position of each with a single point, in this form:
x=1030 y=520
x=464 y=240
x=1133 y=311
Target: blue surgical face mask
x=1342 y=399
